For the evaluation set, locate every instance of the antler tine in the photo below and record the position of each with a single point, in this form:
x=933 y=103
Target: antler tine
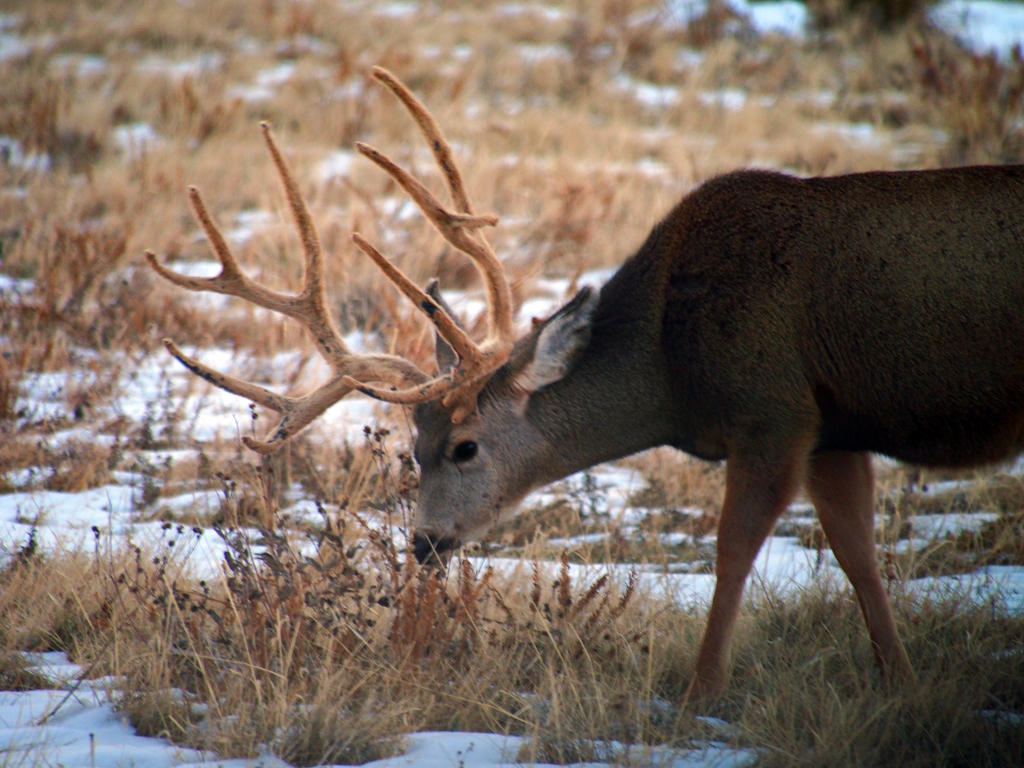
x=298 y=412
x=460 y=342
x=459 y=387
x=231 y=280
x=312 y=300
x=313 y=278
x=432 y=131
x=308 y=307
x=246 y=389
x=455 y=228
x=452 y=226
x=455 y=386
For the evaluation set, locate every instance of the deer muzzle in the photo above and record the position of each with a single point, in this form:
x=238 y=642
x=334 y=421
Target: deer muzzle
x=431 y=550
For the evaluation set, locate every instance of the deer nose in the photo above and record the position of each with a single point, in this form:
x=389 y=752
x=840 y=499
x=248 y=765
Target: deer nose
x=431 y=550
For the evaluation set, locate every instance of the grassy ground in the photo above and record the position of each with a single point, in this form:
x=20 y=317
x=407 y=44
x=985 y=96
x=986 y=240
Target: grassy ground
x=333 y=658
x=580 y=124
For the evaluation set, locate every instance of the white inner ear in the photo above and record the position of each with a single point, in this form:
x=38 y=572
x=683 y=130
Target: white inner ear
x=564 y=336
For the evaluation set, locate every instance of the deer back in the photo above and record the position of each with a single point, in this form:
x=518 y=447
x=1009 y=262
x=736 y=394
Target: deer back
x=883 y=310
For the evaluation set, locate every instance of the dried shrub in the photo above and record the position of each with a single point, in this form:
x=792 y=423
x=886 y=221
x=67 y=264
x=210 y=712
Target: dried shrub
x=8 y=388
x=979 y=97
x=879 y=14
x=338 y=603
x=16 y=674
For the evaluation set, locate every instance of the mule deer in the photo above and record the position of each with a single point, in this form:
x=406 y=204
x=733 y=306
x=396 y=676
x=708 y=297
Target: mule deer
x=788 y=326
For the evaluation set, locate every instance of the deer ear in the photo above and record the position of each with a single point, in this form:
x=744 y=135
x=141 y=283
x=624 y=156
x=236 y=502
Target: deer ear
x=443 y=353
x=561 y=338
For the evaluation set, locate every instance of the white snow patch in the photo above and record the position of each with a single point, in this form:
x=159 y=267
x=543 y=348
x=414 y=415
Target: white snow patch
x=52 y=727
x=939 y=526
x=396 y=10
x=690 y=58
x=14 y=286
x=1001 y=586
x=786 y=17
x=249 y=223
x=200 y=268
x=276 y=75
x=647 y=94
x=943 y=487
x=134 y=139
x=13 y=155
x=862 y=134
x=82 y=729
x=13 y=47
x=65 y=510
x=266 y=82
x=179 y=69
x=335 y=165
x=305 y=45
x=204 y=300
x=535 y=54
x=545 y=12
x=729 y=99
x=83 y=65
x=250 y=93
x=984 y=26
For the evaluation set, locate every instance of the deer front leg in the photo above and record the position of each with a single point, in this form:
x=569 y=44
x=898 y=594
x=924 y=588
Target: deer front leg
x=757 y=490
x=841 y=486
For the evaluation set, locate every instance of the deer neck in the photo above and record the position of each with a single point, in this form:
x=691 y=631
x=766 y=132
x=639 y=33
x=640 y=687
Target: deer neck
x=613 y=404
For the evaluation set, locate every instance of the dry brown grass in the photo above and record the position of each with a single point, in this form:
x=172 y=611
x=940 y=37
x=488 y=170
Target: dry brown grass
x=329 y=656
x=800 y=690
x=334 y=655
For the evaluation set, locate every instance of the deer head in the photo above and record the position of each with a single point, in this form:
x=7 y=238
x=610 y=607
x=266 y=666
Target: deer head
x=465 y=414
x=475 y=470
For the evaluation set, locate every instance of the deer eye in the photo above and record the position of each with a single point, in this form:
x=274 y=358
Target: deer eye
x=464 y=451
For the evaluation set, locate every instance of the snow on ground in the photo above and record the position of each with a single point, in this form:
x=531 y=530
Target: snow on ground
x=86 y=729
x=75 y=724
x=179 y=69
x=135 y=138
x=785 y=17
x=80 y=729
x=984 y=26
x=13 y=154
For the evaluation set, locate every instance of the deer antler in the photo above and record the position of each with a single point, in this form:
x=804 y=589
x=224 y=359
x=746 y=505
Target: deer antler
x=459 y=387
x=308 y=307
